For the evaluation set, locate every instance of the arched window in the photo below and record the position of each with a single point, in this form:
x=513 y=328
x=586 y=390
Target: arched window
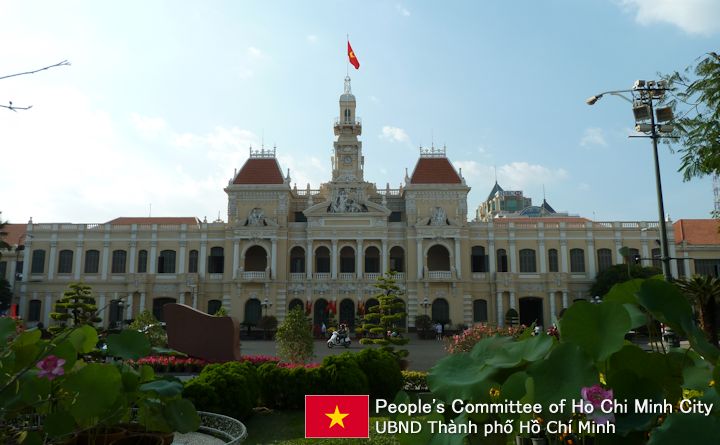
x=322 y=260
x=296 y=303
x=656 y=258
x=634 y=256
x=142 y=261
x=347 y=312
x=441 y=311
x=216 y=260
x=527 y=260
x=92 y=261
x=253 y=312
x=502 y=263
x=372 y=260
x=214 y=306
x=553 y=260
x=34 y=310
x=604 y=257
x=193 y=262
x=119 y=258
x=65 y=263
x=397 y=259
x=38 y=261
x=115 y=314
x=438 y=258
x=158 y=304
x=255 y=259
x=480 y=312
x=297 y=260
x=347 y=115
x=477 y=259
x=166 y=262
x=347 y=260
x=577 y=260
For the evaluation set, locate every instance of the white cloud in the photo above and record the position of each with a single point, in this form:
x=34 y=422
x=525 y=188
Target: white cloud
x=149 y=127
x=593 y=137
x=522 y=175
x=692 y=16
x=394 y=134
x=374 y=99
x=304 y=170
x=312 y=38
x=402 y=10
x=255 y=52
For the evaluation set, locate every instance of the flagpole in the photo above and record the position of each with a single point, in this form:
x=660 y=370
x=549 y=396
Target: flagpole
x=347 y=60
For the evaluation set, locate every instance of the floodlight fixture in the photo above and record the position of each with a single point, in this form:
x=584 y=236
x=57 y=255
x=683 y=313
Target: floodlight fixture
x=639 y=84
x=642 y=112
x=664 y=114
x=643 y=128
x=666 y=128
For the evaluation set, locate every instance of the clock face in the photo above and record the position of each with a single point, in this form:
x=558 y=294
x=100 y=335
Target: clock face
x=347 y=159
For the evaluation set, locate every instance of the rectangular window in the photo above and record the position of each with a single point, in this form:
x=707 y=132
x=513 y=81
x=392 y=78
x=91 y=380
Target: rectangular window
x=193 y=264
x=553 y=260
x=92 y=261
x=65 y=263
x=604 y=259
x=577 y=260
x=527 y=261
x=38 y=261
x=395 y=217
x=166 y=261
x=142 y=261
x=707 y=267
x=34 y=310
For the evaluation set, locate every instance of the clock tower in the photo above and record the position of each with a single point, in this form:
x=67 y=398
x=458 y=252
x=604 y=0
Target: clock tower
x=348 y=159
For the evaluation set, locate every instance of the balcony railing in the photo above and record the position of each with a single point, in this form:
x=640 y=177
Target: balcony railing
x=439 y=274
x=217 y=276
x=321 y=276
x=372 y=276
x=400 y=276
x=479 y=275
x=260 y=275
x=294 y=276
x=347 y=276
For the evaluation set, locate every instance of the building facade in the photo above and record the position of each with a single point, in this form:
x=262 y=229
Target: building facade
x=325 y=247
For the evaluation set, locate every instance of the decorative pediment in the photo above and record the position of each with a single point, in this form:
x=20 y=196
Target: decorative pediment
x=323 y=209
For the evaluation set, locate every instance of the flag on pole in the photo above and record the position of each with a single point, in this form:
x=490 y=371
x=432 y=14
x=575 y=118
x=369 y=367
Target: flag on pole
x=351 y=55
x=337 y=416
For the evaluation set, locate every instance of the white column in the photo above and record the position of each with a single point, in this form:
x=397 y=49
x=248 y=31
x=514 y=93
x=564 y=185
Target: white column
x=500 y=310
x=334 y=259
x=202 y=260
x=618 y=245
x=491 y=257
x=105 y=259
x=513 y=304
x=227 y=303
x=51 y=262
x=565 y=299
x=129 y=307
x=457 y=258
x=645 y=252
x=420 y=264
x=687 y=265
x=133 y=254
x=543 y=256
x=181 y=259
x=563 y=256
x=153 y=257
x=553 y=315
x=591 y=259
x=194 y=298
x=78 y=257
x=309 y=260
x=673 y=254
x=181 y=298
x=273 y=259
x=236 y=259
x=513 y=257
x=101 y=309
x=384 y=259
x=359 y=254
x=142 y=302
x=47 y=309
x=22 y=306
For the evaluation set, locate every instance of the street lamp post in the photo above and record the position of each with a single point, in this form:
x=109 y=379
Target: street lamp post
x=425 y=304
x=266 y=305
x=644 y=96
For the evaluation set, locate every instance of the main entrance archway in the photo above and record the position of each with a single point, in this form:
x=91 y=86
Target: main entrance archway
x=531 y=311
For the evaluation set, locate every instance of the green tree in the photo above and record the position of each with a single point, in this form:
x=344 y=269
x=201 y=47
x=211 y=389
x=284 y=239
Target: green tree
x=703 y=291
x=620 y=273
x=294 y=338
x=151 y=327
x=695 y=96
x=383 y=322
x=76 y=307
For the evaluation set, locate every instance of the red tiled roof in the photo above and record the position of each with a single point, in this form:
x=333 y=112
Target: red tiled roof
x=14 y=234
x=434 y=171
x=125 y=220
x=697 y=231
x=260 y=171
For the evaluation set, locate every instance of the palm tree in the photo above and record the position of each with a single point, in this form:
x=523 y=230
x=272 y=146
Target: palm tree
x=703 y=291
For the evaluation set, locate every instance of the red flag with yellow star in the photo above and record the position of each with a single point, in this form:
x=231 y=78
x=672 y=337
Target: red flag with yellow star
x=351 y=55
x=346 y=417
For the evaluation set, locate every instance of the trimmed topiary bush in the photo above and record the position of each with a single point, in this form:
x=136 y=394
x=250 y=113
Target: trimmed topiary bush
x=341 y=374
x=285 y=387
x=382 y=371
x=230 y=388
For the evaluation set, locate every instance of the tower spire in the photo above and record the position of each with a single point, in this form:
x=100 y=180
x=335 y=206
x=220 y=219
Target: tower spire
x=348 y=90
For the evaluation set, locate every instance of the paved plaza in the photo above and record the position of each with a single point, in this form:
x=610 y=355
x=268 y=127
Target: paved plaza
x=423 y=353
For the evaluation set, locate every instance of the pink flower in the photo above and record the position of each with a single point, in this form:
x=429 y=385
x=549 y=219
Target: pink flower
x=595 y=395
x=51 y=367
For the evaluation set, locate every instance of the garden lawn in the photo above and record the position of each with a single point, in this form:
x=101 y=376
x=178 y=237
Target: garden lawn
x=288 y=428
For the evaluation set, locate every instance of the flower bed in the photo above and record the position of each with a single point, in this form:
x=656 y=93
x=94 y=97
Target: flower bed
x=465 y=341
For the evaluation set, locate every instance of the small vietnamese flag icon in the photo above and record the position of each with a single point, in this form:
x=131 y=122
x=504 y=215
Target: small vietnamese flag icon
x=346 y=417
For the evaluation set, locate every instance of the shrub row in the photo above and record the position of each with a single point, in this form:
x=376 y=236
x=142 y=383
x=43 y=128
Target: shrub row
x=414 y=380
x=274 y=385
x=171 y=363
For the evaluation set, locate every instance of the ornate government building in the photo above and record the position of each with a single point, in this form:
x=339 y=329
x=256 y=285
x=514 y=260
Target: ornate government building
x=317 y=248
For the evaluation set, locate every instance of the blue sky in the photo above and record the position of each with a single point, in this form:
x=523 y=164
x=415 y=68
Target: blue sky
x=163 y=99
